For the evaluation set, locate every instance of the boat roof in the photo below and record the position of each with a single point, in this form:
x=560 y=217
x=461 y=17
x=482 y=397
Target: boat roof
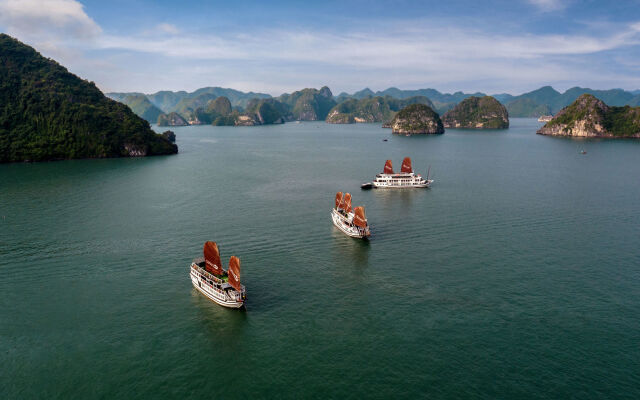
x=400 y=175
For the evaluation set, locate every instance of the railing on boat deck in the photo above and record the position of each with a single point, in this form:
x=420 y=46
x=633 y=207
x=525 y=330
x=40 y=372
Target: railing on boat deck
x=208 y=274
x=227 y=295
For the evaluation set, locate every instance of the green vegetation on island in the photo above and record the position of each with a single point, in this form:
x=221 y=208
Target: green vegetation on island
x=590 y=117
x=47 y=113
x=187 y=107
x=142 y=107
x=548 y=98
x=441 y=102
x=309 y=104
x=371 y=109
x=477 y=113
x=524 y=107
x=416 y=119
x=267 y=111
x=220 y=106
x=168 y=101
x=170 y=136
x=171 y=119
x=214 y=112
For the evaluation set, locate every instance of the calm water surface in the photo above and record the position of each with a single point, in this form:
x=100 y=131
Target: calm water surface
x=516 y=276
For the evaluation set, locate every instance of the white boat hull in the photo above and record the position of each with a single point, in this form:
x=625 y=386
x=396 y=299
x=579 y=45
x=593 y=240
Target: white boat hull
x=410 y=186
x=400 y=181
x=216 y=295
x=340 y=222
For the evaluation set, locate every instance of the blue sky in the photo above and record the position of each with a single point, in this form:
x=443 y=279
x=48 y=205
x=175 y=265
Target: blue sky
x=276 y=47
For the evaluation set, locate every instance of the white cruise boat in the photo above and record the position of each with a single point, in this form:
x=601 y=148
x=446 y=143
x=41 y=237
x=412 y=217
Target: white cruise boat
x=405 y=179
x=218 y=285
x=351 y=222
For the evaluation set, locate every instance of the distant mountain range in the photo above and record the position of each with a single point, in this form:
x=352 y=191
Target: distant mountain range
x=314 y=104
x=441 y=101
x=168 y=101
x=547 y=100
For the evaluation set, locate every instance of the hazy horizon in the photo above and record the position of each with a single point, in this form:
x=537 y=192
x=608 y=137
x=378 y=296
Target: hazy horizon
x=275 y=48
x=336 y=93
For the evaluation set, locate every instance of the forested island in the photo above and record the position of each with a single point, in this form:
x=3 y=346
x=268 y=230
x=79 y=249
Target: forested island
x=591 y=117
x=416 y=119
x=371 y=109
x=477 y=113
x=47 y=113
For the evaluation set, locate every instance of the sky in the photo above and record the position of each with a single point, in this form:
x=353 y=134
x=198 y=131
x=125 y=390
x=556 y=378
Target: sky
x=281 y=46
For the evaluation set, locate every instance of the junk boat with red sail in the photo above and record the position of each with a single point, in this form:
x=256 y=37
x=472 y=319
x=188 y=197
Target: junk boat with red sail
x=220 y=286
x=388 y=179
x=351 y=222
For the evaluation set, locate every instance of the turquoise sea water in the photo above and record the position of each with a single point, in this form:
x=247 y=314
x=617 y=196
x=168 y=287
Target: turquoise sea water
x=517 y=275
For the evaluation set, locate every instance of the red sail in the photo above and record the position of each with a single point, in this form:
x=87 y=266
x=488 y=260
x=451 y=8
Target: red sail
x=346 y=202
x=234 y=273
x=359 y=219
x=388 y=168
x=406 y=166
x=212 y=258
x=338 y=199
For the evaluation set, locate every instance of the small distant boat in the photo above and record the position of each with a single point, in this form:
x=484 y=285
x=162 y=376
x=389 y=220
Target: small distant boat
x=385 y=140
x=351 y=222
x=366 y=186
x=583 y=151
x=545 y=118
x=220 y=286
x=405 y=179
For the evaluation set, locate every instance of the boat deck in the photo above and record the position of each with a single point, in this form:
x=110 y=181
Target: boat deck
x=224 y=278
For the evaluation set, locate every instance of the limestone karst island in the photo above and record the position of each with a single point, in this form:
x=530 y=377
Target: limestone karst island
x=590 y=117
x=477 y=113
x=48 y=113
x=416 y=119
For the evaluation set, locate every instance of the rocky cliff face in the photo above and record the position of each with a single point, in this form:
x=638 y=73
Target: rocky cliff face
x=591 y=117
x=336 y=117
x=220 y=106
x=477 y=113
x=417 y=119
x=268 y=111
x=309 y=104
x=244 y=120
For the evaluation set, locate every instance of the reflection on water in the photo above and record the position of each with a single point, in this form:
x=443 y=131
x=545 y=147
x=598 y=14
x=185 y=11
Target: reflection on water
x=220 y=323
x=350 y=251
x=399 y=197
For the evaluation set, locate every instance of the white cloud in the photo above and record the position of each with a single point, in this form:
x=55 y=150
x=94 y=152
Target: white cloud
x=432 y=55
x=36 y=18
x=389 y=49
x=415 y=53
